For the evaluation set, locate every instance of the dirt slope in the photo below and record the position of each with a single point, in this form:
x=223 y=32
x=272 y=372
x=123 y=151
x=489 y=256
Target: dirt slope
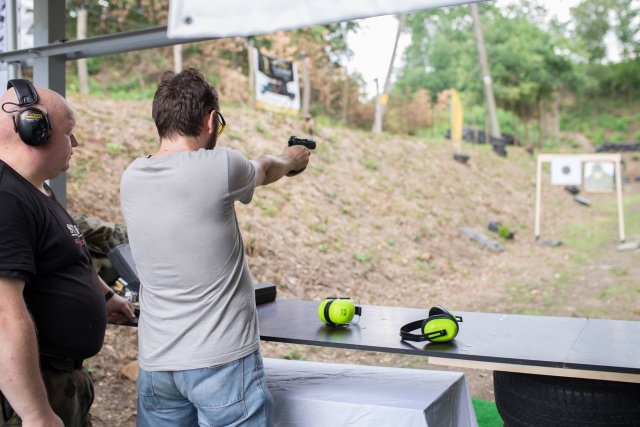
x=377 y=218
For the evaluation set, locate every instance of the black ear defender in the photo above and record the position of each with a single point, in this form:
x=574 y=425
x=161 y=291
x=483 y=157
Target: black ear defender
x=440 y=326
x=31 y=123
x=338 y=311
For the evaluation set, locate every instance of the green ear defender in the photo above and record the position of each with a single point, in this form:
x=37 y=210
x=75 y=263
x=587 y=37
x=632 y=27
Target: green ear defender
x=440 y=326
x=338 y=311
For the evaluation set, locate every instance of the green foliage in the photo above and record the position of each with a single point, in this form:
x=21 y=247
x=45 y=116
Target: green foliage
x=620 y=271
x=363 y=257
x=269 y=210
x=295 y=354
x=525 y=68
x=371 y=164
x=508 y=120
x=591 y=26
x=617 y=137
x=504 y=232
x=115 y=148
x=106 y=17
x=595 y=20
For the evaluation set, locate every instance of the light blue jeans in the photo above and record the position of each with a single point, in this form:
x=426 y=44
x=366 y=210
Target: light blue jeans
x=230 y=395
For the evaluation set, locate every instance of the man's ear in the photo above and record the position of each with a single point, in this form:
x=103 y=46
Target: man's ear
x=210 y=122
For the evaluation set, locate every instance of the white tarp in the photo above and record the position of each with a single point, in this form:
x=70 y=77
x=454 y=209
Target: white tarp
x=214 y=18
x=316 y=394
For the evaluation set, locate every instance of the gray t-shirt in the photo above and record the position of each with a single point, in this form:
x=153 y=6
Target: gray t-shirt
x=197 y=299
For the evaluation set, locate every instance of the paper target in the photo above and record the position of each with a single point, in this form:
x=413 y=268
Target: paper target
x=566 y=171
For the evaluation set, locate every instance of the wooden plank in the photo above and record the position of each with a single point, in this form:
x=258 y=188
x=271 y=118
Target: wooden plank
x=537 y=370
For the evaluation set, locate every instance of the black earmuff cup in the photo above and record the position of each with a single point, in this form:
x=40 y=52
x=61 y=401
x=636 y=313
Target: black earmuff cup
x=33 y=126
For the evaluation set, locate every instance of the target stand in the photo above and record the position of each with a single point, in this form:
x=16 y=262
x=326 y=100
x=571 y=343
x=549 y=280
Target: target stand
x=566 y=169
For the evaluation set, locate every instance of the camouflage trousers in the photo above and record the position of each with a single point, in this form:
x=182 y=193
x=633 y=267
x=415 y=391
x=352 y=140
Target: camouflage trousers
x=70 y=395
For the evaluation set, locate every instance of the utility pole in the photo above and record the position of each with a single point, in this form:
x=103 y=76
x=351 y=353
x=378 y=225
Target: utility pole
x=496 y=135
x=382 y=100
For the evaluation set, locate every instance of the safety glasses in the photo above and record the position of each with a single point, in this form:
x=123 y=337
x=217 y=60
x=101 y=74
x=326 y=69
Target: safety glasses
x=221 y=123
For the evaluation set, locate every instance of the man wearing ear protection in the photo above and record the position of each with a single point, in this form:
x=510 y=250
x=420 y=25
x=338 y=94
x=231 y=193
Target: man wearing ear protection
x=53 y=305
x=198 y=339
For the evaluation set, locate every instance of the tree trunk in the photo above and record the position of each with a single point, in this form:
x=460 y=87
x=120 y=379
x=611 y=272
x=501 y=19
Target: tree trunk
x=484 y=69
x=382 y=100
x=252 y=74
x=345 y=96
x=433 y=117
x=557 y=100
x=487 y=127
x=540 y=124
x=306 y=91
x=177 y=58
x=83 y=74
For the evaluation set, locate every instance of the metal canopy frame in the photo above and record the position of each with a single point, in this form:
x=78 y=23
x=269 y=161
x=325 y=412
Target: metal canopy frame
x=109 y=44
x=51 y=51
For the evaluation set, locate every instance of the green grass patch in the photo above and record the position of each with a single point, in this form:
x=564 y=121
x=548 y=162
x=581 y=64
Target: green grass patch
x=587 y=236
x=611 y=292
x=295 y=354
x=363 y=257
x=486 y=413
x=620 y=271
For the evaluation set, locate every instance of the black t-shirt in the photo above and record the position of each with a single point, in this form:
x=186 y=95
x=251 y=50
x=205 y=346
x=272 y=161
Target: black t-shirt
x=40 y=243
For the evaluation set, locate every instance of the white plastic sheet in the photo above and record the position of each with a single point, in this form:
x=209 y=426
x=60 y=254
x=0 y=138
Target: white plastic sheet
x=215 y=18
x=314 y=394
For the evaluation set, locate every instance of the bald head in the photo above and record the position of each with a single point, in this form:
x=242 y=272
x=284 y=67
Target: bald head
x=45 y=161
x=49 y=102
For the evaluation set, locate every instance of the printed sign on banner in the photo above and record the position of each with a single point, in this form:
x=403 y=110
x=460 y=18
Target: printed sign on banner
x=277 y=87
x=566 y=170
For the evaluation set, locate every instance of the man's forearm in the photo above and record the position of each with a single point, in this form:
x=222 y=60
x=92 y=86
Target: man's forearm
x=20 y=378
x=274 y=167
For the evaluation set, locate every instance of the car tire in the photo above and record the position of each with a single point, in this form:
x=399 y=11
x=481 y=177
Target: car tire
x=525 y=400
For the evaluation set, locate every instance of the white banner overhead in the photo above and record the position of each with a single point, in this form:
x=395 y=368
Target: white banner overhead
x=214 y=18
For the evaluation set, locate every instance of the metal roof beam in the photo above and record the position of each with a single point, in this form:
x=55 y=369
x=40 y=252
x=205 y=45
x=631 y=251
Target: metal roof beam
x=109 y=44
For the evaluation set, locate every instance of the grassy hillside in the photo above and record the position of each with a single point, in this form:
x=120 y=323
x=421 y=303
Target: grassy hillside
x=377 y=218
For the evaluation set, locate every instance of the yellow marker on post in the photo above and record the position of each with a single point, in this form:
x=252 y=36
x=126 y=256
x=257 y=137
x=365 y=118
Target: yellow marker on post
x=456 y=119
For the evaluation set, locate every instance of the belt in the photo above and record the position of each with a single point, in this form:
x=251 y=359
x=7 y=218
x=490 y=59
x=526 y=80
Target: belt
x=48 y=363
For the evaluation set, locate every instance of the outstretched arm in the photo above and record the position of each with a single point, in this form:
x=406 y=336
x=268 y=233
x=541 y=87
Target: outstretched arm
x=20 y=379
x=292 y=161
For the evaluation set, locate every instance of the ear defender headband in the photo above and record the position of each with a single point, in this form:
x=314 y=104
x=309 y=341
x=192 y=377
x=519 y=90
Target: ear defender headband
x=440 y=326
x=31 y=123
x=338 y=311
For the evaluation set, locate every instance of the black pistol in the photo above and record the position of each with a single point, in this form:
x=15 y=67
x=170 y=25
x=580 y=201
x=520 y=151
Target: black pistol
x=309 y=143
